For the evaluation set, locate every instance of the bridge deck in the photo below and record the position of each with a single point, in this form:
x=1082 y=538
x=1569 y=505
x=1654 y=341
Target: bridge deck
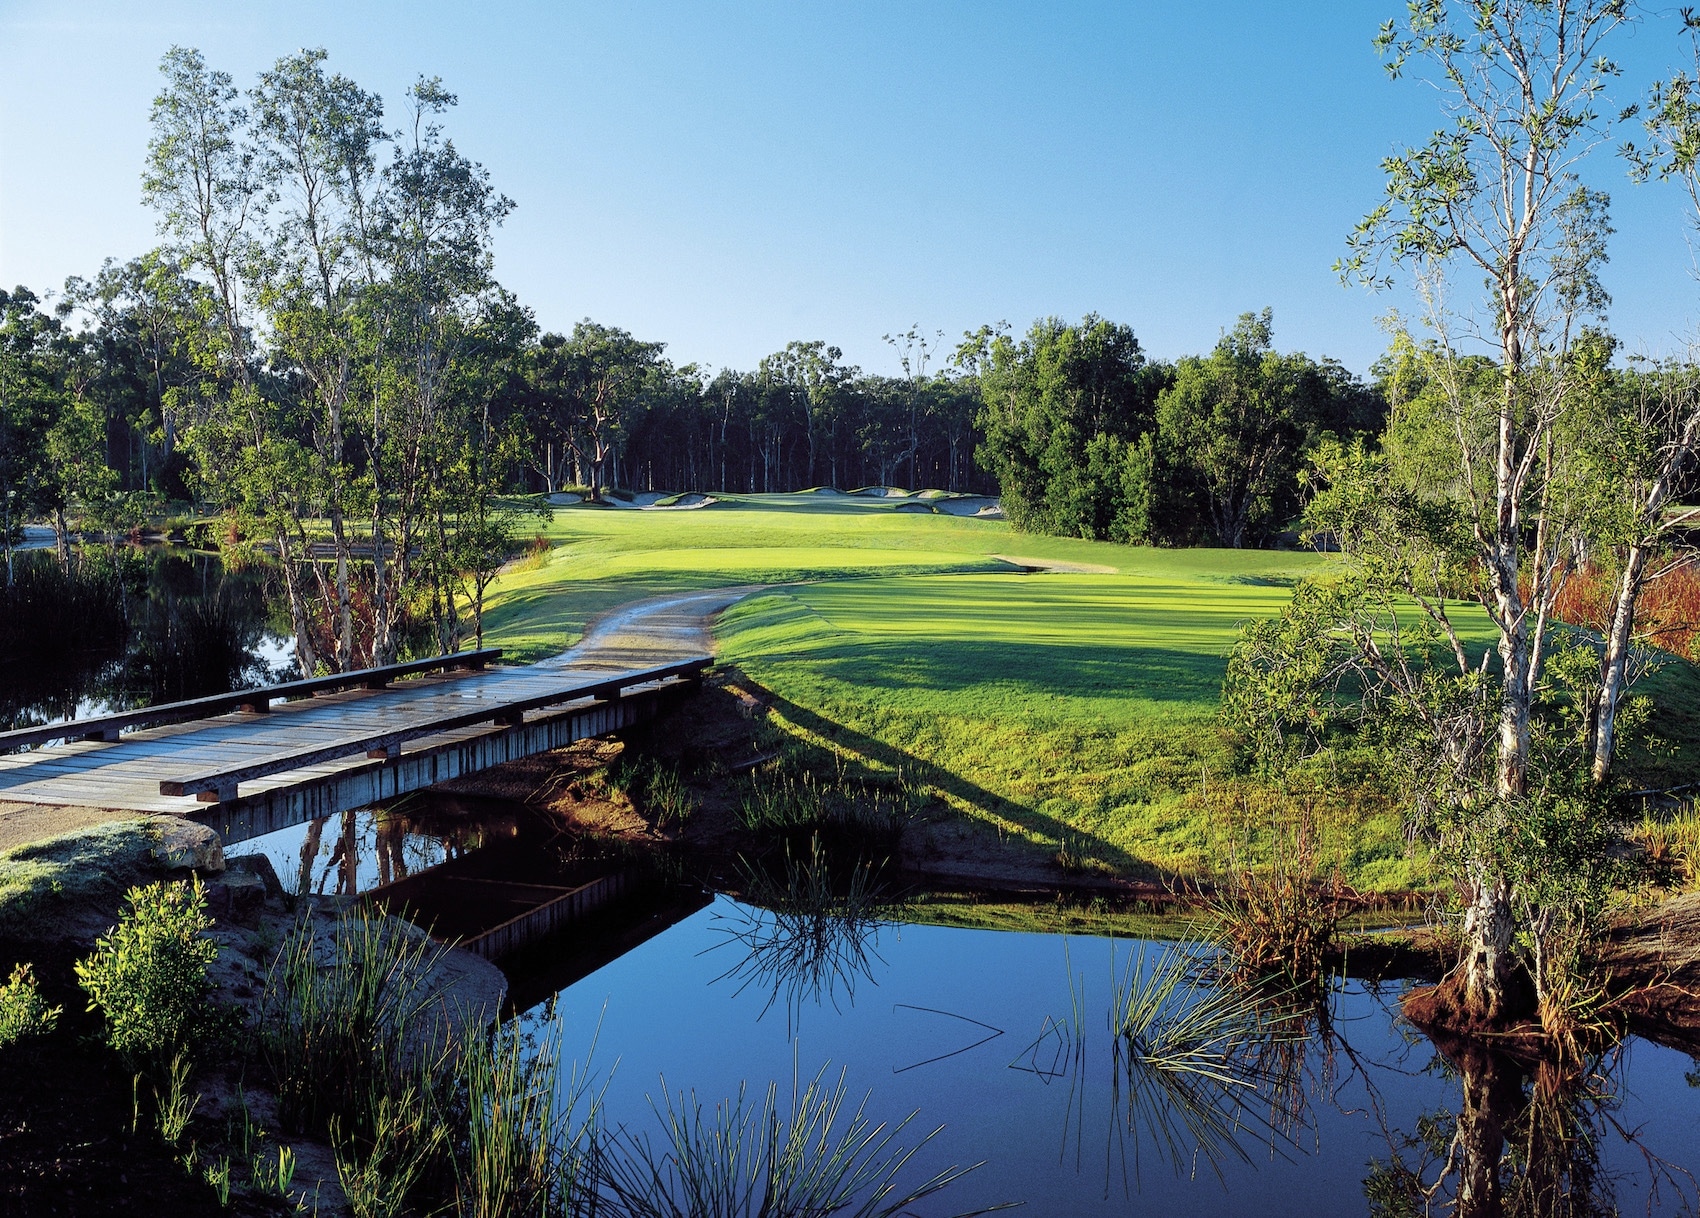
x=126 y=774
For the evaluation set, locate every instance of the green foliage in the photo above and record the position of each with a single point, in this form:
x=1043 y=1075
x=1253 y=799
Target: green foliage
x=23 y=1011
x=1060 y=408
x=1088 y=440
x=148 y=975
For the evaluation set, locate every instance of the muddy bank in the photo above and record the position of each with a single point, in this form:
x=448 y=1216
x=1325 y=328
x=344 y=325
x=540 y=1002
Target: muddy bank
x=1651 y=962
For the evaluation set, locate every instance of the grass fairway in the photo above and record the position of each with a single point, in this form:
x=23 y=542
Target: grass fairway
x=606 y=557
x=1069 y=712
x=1070 y=709
x=1063 y=710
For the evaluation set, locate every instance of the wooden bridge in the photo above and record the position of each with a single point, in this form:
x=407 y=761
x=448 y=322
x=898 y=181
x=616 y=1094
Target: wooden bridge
x=254 y=761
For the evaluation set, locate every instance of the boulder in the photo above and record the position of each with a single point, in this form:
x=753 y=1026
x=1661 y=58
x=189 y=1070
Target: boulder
x=236 y=896
x=183 y=845
x=259 y=865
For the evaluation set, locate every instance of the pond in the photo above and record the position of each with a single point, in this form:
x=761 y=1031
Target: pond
x=130 y=627
x=1002 y=1041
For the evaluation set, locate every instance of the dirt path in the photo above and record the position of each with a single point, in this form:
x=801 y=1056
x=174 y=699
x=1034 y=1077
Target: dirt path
x=651 y=632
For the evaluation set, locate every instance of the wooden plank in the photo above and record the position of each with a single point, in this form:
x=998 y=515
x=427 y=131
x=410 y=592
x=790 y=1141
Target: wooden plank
x=222 y=781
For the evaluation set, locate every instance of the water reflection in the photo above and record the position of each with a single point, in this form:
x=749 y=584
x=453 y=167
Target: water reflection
x=1204 y=1107
x=809 y=935
x=362 y=849
x=131 y=627
x=1528 y=1137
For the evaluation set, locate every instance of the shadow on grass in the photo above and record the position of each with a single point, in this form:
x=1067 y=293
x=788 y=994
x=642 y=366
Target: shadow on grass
x=866 y=748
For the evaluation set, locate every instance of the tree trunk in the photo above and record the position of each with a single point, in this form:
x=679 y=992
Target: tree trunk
x=61 y=539
x=305 y=657
x=1614 y=663
x=1488 y=928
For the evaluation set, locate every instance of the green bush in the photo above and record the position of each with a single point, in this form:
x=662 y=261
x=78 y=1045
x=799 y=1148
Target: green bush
x=22 y=1010
x=148 y=975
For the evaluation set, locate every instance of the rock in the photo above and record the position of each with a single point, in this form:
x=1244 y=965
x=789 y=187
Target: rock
x=237 y=896
x=260 y=865
x=184 y=845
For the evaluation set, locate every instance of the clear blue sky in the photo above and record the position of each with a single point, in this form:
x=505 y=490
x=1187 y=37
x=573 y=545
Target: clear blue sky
x=726 y=177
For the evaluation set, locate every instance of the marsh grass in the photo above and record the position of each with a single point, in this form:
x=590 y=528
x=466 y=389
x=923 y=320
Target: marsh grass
x=809 y=794
x=380 y=1171
x=655 y=786
x=1671 y=847
x=815 y=1157
x=343 y=1020
x=174 y=1107
x=530 y=1127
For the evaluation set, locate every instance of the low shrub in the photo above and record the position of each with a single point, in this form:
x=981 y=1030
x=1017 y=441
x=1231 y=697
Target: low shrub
x=23 y=1011
x=148 y=975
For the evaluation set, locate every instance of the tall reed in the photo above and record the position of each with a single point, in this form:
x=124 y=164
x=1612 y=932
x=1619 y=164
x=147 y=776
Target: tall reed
x=530 y=1134
x=344 y=1019
x=817 y=1157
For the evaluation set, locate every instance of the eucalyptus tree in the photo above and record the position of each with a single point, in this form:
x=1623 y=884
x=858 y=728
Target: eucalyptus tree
x=433 y=223
x=809 y=376
x=1650 y=443
x=315 y=138
x=1492 y=198
x=145 y=328
x=915 y=350
x=596 y=376
x=29 y=403
x=1239 y=421
x=207 y=181
x=1046 y=398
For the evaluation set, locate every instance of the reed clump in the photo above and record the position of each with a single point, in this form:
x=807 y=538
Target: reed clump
x=1278 y=921
x=343 y=1019
x=529 y=1135
x=739 y=1159
x=794 y=799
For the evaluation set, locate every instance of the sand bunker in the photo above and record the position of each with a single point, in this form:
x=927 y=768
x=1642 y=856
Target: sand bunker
x=1051 y=564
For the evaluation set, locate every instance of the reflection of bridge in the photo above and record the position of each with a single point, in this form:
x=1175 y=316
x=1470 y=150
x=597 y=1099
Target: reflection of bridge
x=259 y=760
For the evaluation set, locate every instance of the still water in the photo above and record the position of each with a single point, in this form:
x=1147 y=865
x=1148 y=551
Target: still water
x=976 y=1032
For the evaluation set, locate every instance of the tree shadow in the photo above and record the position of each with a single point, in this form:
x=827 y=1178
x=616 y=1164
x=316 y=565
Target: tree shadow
x=870 y=750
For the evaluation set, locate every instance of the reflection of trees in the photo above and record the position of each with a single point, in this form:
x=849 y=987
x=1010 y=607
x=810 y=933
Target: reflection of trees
x=810 y=934
x=182 y=626
x=1526 y=1140
x=399 y=844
